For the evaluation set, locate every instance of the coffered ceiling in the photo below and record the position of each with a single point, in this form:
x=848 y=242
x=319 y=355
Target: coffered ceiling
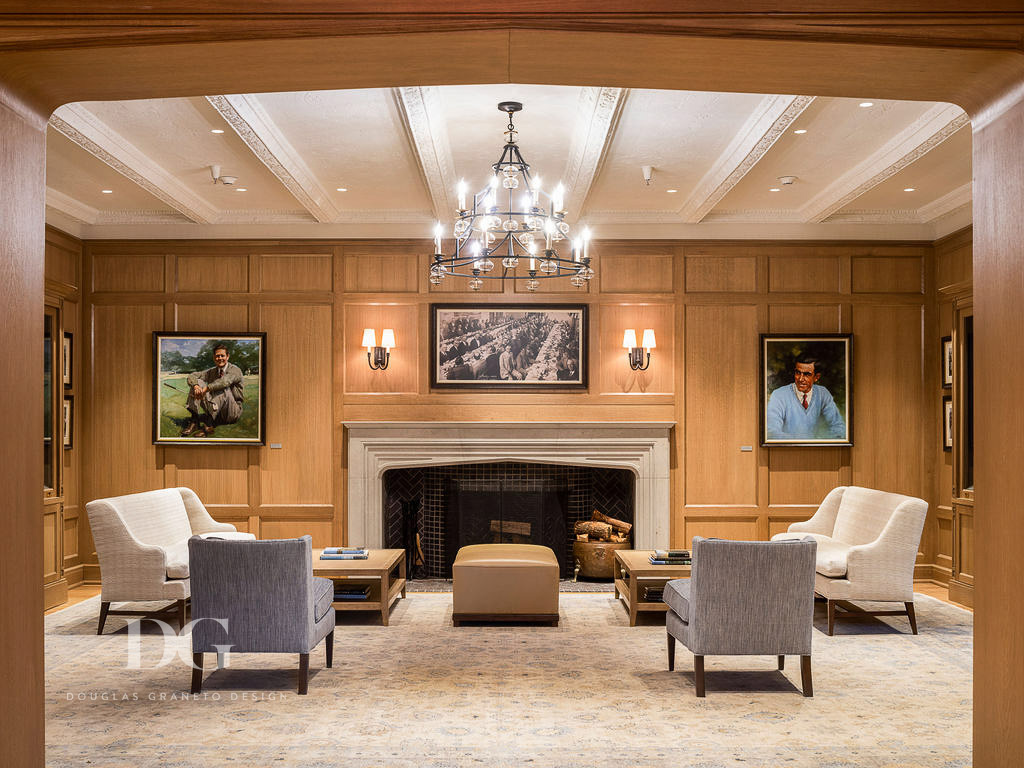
x=385 y=162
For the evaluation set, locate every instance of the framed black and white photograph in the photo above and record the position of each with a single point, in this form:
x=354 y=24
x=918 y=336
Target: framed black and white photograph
x=806 y=382
x=509 y=346
x=209 y=388
x=947 y=423
x=947 y=362
x=69 y=421
x=67 y=359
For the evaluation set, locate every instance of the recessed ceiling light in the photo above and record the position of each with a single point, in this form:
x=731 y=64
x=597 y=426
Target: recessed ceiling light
x=800 y=131
x=910 y=189
x=866 y=104
x=342 y=189
x=216 y=130
x=107 y=191
x=774 y=189
x=671 y=191
x=241 y=189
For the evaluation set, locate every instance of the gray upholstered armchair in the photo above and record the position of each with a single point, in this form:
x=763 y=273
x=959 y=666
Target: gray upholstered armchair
x=258 y=597
x=750 y=598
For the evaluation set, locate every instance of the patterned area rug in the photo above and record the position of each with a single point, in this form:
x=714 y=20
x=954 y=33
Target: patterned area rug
x=591 y=693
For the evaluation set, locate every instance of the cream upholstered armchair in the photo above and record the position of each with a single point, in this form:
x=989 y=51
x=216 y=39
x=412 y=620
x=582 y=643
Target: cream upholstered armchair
x=142 y=543
x=867 y=546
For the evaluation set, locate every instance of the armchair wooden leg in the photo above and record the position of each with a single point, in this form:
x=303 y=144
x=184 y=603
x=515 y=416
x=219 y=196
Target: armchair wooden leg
x=698 y=674
x=831 y=616
x=671 y=652
x=303 y=673
x=104 y=607
x=782 y=662
x=197 y=672
x=805 y=675
x=330 y=649
x=911 y=616
x=181 y=615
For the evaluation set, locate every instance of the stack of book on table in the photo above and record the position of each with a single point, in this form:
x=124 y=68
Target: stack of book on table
x=358 y=592
x=345 y=553
x=671 y=557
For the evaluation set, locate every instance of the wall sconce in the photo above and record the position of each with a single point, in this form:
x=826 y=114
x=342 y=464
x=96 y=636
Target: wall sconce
x=636 y=353
x=378 y=357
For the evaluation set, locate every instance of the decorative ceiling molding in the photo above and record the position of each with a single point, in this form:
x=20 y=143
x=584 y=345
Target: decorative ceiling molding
x=633 y=217
x=423 y=120
x=927 y=132
x=948 y=203
x=140 y=217
x=71 y=207
x=248 y=118
x=597 y=116
x=879 y=216
x=753 y=216
x=96 y=137
x=767 y=123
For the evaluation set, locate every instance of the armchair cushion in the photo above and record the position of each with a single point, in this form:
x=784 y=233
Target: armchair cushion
x=832 y=554
x=677 y=597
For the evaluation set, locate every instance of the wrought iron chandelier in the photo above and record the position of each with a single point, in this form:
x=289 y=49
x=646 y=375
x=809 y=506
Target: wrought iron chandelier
x=509 y=221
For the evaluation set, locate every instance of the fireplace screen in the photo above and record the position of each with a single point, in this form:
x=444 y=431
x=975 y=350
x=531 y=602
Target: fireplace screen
x=496 y=513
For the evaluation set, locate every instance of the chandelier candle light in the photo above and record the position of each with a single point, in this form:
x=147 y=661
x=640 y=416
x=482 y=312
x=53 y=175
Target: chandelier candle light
x=506 y=222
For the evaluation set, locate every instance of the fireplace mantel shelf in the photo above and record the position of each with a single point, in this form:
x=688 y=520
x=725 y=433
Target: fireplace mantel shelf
x=485 y=425
x=639 y=446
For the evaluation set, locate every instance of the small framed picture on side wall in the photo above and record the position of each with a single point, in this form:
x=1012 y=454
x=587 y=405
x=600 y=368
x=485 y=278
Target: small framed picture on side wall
x=947 y=362
x=947 y=423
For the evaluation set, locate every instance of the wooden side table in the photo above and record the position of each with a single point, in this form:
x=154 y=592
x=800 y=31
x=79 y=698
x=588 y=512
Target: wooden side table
x=633 y=566
x=383 y=571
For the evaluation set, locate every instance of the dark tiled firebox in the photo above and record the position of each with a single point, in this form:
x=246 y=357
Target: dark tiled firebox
x=427 y=490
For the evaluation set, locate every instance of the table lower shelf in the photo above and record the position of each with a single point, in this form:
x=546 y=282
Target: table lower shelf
x=373 y=601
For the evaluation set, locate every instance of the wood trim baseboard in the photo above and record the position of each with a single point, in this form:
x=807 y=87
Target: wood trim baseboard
x=961 y=593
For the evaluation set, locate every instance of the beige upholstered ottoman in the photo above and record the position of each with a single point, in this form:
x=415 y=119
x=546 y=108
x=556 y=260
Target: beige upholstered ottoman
x=505 y=582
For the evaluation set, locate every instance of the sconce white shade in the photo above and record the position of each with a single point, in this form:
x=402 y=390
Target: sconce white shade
x=629 y=339
x=648 y=342
x=369 y=338
x=387 y=338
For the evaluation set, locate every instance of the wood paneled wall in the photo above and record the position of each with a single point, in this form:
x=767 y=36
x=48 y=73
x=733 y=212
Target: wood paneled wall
x=953 y=278
x=63 y=264
x=707 y=302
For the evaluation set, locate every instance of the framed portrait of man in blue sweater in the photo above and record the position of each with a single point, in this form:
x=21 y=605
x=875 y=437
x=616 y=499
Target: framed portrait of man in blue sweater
x=806 y=397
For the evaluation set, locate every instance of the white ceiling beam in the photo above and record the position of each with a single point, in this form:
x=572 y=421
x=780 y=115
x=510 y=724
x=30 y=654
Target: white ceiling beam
x=426 y=132
x=946 y=204
x=927 y=132
x=766 y=124
x=96 y=137
x=597 y=116
x=256 y=128
x=71 y=207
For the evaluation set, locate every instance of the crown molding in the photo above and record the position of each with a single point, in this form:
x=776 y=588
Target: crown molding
x=247 y=117
x=766 y=124
x=422 y=118
x=70 y=207
x=597 y=117
x=96 y=137
x=936 y=125
x=948 y=203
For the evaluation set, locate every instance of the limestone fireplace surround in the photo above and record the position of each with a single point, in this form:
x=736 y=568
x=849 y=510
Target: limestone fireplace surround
x=377 y=446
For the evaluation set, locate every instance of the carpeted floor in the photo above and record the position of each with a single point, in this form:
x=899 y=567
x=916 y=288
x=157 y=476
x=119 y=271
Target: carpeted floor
x=592 y=693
